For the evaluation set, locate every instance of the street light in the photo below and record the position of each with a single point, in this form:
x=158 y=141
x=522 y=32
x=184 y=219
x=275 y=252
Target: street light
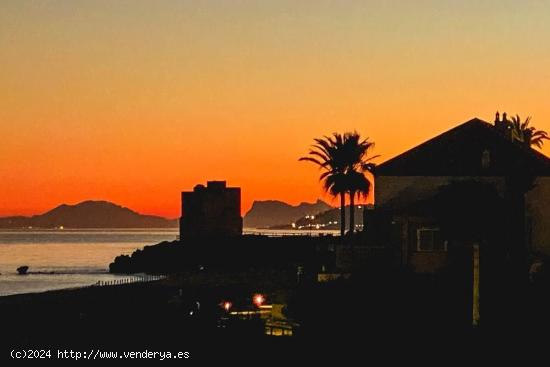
x=258 y=300
x=227 y=306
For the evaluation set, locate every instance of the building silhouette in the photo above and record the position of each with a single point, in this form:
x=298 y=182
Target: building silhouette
x=476 y=151
x=211 y=211
x=468 y=204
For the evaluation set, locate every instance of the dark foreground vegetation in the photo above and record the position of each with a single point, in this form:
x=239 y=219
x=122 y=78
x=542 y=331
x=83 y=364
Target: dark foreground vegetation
x=237 y=253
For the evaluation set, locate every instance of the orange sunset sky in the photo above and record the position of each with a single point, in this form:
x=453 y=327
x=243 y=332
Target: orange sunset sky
x=135 y=101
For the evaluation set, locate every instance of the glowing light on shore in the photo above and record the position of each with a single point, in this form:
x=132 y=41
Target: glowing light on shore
x=258 y=299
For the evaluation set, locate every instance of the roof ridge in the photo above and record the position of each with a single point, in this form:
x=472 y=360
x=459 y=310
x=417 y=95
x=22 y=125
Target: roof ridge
x=453 y=152
x=474 y=120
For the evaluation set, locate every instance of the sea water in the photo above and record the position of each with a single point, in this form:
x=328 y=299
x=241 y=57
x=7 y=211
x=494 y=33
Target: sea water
x=60 y=259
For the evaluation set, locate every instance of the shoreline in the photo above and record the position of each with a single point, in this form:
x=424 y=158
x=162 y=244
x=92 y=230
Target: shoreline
x=125 y=279
x=39 y=294
x=70 y=291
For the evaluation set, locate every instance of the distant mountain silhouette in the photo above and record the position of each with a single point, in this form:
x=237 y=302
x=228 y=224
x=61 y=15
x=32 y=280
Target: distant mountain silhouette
x=269 y=213
x=89 y=214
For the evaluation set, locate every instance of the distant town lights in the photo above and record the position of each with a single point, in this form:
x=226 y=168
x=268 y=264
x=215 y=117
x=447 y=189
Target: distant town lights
x=227 y=305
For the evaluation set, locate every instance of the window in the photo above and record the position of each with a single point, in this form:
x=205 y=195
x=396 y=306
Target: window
x=429 y=239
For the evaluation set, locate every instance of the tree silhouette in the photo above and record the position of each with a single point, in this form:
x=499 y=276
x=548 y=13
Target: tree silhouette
x=344 y=160
x=469 y=210
x=328 y=154
x=529 y=134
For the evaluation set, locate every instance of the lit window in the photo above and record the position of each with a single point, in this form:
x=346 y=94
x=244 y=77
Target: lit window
x=429 y=239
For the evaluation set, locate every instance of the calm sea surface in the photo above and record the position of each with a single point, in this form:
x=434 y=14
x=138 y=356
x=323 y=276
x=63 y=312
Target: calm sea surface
x=75 y=257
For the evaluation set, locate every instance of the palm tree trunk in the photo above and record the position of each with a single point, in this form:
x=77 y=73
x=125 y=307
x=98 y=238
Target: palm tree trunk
x=342 y=214
x=352 y=212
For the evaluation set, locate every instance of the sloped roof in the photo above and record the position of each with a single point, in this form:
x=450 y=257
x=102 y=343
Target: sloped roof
x=459 y=151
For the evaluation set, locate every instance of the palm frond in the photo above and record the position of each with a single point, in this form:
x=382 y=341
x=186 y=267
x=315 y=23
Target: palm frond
x=527 y=132
x=343 y=158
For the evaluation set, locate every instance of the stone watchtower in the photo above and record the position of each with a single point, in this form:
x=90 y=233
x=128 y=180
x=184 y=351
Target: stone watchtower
x=211 y=211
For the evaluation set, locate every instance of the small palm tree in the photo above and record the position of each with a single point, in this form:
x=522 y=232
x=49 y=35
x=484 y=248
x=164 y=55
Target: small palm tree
x=529 y=134
x=328 y=154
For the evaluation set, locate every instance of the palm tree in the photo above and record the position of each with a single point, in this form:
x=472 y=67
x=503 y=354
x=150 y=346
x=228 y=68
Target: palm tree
x=529 y=134
x=328 y=154
x=359 y=162
x=344 y=159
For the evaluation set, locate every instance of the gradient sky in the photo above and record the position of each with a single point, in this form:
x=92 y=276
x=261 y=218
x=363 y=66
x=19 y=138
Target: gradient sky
x=135 y=101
